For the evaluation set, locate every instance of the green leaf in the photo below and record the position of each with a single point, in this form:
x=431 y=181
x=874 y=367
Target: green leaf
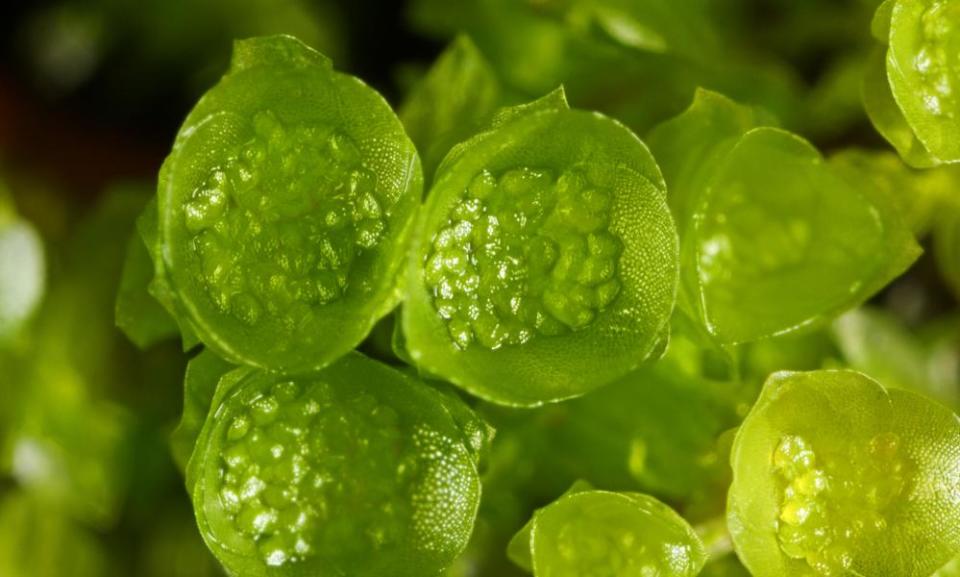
x=459 y=92
x=663 y=426
x=773 y=239
x=518 y=550
x=628 y=31
x=604 y=533
x=138 y=314
x=271 y=52
x=875 y=342
x=769 y=263
x=398 y=342
x=553 y=101
x=951 y=569
x=476 y=432
x=159 y=285
x=285 y=208
x=915 y=194
x=544 y=241
x=661 y=346
x=880 y=25
x=355 y=470
x=887 y=117
x=689 y=146
x=204 y=372
x=923 y=65
x=833 y=474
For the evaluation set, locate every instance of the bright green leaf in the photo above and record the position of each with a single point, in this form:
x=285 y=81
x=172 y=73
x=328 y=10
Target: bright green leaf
x=656 y=26
x=887 y=117
x=159 y=286
x=689 y=146
x=638 y=62
x=835 y=475
x=782 y=241
x=458 y=93
x=598 y=533
x=915 y=194
x=923 y=65
x=138 y=314
x=518 y=549
x=544 y=241
x=773 y=239
x=880 y=25
x=284 y=209
x=203 y=374
x=355 y=470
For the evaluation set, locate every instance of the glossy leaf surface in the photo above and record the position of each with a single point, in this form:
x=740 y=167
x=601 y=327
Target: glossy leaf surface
x=597 y=533
x=356 y=470
x=832 y=473
x=923 y=65
x=773 y=238
x=545 y=244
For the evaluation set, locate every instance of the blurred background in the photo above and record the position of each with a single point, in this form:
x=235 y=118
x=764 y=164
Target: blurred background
x=92 y=93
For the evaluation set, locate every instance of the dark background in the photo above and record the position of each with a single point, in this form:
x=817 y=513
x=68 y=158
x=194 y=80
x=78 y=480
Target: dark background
x=117 y=119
